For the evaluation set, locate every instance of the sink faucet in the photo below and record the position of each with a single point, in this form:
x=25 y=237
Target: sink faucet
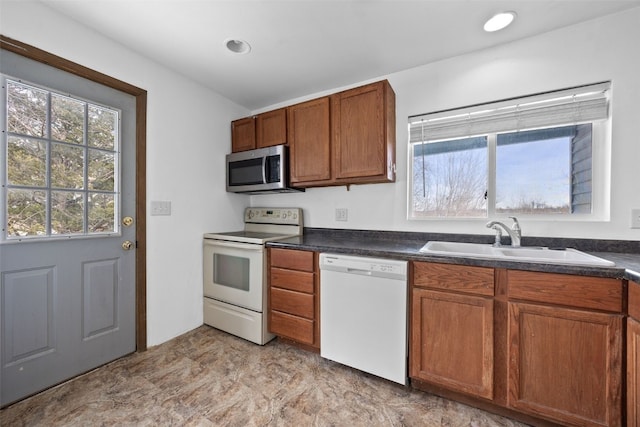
x=514 y=232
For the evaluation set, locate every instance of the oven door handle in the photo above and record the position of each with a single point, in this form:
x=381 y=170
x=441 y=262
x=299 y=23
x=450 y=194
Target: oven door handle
x=236 y=245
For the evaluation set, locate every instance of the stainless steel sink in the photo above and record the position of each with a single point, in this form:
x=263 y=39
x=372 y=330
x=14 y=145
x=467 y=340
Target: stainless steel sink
x=527 y=254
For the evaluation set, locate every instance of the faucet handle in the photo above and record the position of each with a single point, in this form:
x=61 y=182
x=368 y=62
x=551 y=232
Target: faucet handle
x=498 y=238
x=516 y=224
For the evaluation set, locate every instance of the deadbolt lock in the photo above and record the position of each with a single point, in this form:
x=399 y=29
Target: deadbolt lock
x=127 y=221
x=127 y=245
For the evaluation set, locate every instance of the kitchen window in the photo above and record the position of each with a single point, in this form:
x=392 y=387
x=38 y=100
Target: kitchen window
x=541 y=156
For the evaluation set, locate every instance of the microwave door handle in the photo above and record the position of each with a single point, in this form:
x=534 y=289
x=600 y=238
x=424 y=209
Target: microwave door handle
x=264 y=169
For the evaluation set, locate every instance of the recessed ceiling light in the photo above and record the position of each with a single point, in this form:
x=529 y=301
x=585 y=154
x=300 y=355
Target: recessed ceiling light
x=499 y=21
x=237 y=46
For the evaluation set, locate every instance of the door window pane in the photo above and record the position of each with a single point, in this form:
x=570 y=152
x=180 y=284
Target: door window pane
x=101 y=213
x=26 y=213
x=67 y=119
x=26 y=110
x=67 y=215
x=67 y=166
x=101 y=170
x=27 y=162
x=103 y=126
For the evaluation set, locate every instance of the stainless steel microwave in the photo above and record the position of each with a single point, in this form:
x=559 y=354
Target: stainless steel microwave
x=263 y=170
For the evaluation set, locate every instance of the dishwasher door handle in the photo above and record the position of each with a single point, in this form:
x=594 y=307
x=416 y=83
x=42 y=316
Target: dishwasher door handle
x=359 y=271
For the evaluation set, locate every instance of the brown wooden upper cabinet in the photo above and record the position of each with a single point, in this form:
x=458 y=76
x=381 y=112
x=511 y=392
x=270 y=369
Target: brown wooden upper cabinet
x=264 y=130
x=243 y=134
x=271 y=128
x=364 y=134
x=310 y=148
x=342 y=139
x=345 y=138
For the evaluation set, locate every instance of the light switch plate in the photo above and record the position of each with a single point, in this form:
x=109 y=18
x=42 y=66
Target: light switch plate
x=635 y=218
x=160 y=207
x=341 y=214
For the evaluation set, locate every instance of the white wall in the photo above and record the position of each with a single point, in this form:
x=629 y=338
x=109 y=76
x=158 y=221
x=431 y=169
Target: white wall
x=188 y=134
x=603 y=49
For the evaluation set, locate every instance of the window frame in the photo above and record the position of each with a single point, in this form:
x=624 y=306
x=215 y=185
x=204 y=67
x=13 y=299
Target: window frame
x=48 y=188
x=601 y=168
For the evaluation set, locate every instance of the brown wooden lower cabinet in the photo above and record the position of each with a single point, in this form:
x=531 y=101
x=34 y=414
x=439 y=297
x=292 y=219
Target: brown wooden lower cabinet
x=633 y=356
x=293 y=297
x=565 y=364
x=545 y=347
x=633 y=372
x=452 y=341
x=291 y=327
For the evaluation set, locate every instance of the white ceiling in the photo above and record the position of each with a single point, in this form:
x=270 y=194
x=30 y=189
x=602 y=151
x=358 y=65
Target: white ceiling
x=300 y=47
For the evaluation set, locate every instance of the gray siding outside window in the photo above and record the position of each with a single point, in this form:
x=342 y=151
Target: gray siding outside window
x=581 y=170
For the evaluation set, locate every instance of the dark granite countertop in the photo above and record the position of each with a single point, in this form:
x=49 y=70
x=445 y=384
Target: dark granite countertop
x=406 y=246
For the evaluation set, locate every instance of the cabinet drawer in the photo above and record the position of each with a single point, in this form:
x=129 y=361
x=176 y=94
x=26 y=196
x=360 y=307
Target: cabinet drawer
x=300 y=281
x=293 y=327
x=292 y=259
x=462 y=278
x=564 y=289
x=292 y=302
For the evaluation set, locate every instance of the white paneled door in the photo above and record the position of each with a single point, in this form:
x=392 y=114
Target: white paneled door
x=67 y=290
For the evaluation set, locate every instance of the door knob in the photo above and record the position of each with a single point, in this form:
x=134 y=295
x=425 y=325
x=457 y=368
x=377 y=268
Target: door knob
x=127 y=221
x=127 y=245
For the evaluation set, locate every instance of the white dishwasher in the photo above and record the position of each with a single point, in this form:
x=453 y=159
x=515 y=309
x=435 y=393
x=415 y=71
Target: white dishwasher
x=363 y=314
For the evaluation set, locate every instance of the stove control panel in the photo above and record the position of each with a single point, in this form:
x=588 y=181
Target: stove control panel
x=289 y=216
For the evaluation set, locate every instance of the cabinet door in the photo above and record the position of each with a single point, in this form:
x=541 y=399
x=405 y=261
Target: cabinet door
x=310 y=142
x=243 y=134
x=633 y=356
x=633 y=372
x=364 y=134
x=271 y=128
x=452 y=341
x=564 y=364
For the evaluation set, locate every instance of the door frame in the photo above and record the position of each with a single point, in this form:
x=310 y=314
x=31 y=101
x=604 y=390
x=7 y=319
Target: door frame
x=140 y=95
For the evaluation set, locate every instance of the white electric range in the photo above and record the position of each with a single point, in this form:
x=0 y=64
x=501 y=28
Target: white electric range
x=234 y=267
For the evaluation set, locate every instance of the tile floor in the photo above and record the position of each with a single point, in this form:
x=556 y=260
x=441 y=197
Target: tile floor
x=209 y=378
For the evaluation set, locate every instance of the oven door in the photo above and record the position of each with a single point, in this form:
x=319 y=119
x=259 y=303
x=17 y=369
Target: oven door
x=234 y=273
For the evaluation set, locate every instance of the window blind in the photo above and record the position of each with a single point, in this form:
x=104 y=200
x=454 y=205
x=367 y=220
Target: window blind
x=565 y=107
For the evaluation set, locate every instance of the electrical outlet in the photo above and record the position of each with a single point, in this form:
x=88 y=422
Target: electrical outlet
x=635 y=218
x=341 y=214
x=160 y=207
